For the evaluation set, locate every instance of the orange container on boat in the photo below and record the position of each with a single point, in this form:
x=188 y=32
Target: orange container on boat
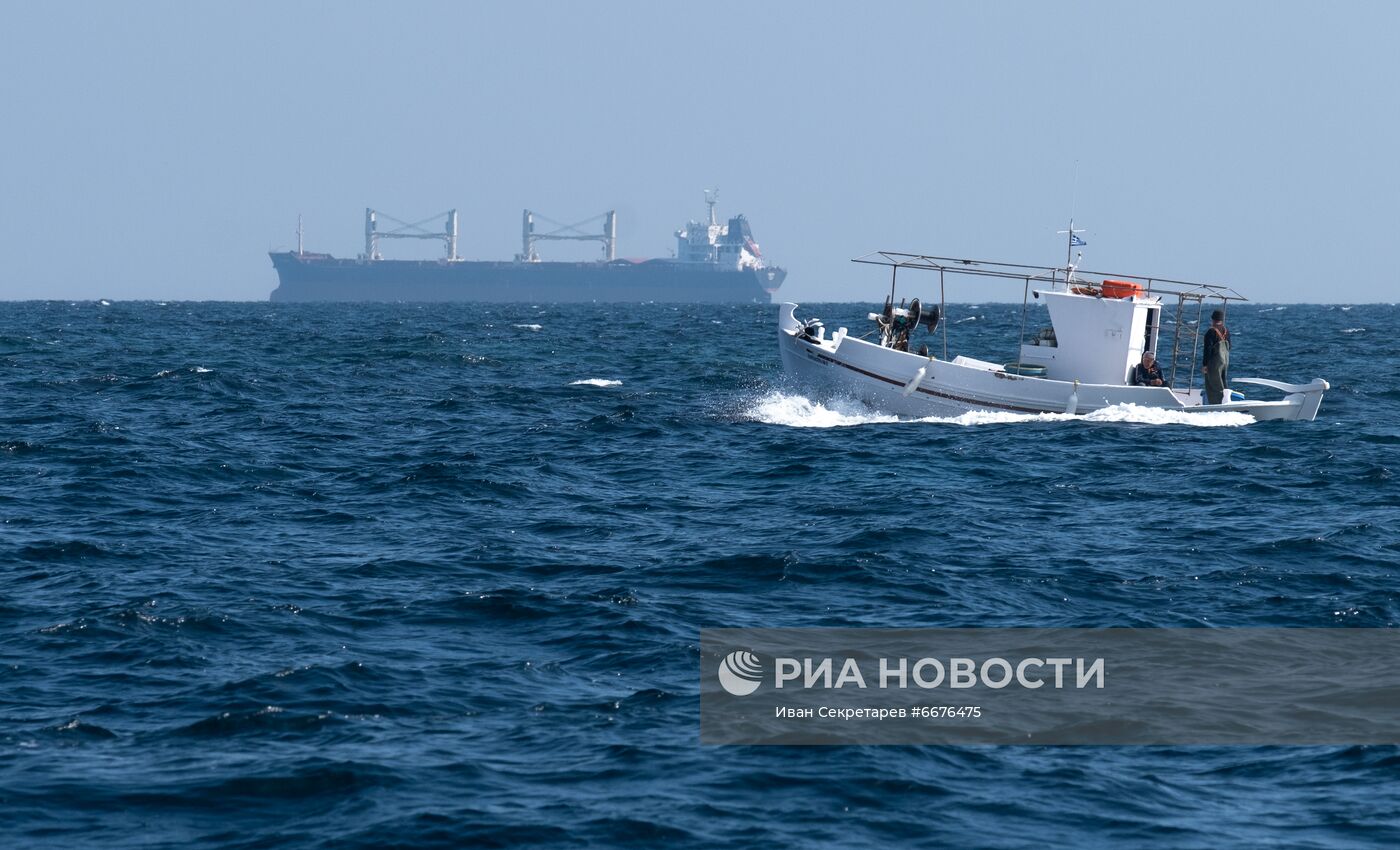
x=1121 y=288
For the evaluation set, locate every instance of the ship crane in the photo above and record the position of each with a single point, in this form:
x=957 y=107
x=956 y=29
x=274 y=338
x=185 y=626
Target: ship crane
x=567 y=233
x=405 y=230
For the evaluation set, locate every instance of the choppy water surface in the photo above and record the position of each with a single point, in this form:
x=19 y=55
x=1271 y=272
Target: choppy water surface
x=335 y=576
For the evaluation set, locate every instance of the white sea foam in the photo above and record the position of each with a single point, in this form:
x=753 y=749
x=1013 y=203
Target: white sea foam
x=965 y=319
x=1353 y=330
x=535 y=328
x=165 y=373
x=796 y=411
x=1132 y=413
x=595 y=382
x=1163 y=416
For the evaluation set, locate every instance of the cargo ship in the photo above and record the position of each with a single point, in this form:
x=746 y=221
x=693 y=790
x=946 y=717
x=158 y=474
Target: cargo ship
x=714 y=263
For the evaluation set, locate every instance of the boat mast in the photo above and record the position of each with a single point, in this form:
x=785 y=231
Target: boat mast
x=712 y=198
x=1072 y=234
x=1069 y=237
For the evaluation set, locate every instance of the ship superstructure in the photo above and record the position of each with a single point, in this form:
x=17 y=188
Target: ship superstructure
x=728 y=245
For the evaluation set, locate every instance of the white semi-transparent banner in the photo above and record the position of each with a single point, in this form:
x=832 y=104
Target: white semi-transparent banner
x=1247 y=686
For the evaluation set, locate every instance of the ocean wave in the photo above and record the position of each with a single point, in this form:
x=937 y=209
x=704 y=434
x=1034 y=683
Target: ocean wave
x=595 y=382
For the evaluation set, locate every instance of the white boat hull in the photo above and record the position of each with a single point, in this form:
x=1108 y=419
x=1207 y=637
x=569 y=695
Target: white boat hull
x=889 y=380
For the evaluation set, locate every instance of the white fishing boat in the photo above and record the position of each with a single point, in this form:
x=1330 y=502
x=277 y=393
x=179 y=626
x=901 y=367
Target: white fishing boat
x=1100 y=326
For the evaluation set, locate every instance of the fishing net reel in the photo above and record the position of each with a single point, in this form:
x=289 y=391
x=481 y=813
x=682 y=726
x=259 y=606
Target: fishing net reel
x=896 y=323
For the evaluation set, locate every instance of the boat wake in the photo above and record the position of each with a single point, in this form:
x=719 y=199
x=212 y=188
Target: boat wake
x=797 y=411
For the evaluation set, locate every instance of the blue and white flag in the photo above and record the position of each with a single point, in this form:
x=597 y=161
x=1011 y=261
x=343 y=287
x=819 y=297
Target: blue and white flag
x=1075 y=241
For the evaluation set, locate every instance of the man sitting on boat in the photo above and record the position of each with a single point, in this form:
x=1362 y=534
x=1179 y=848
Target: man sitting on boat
x=1148 y=373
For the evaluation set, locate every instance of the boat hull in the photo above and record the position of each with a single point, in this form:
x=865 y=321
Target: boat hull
x=890 y=381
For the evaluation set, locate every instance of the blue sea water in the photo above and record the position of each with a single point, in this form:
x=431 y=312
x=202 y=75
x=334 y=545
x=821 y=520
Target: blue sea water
x=433 y=576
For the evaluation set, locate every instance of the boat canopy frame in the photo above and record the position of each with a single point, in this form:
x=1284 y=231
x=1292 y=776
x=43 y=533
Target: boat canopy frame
x=1186 y=292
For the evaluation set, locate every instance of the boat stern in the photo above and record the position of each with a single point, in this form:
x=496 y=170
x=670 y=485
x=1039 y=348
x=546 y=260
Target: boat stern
x=1300 y=402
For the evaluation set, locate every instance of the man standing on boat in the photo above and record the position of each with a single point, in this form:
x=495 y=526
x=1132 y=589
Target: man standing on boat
x=1217 y=358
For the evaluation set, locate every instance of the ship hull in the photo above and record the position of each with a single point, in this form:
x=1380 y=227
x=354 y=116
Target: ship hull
x=323 y=278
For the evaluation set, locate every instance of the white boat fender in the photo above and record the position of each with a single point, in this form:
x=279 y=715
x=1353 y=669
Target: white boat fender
x=1072 y=406
x=915 y=381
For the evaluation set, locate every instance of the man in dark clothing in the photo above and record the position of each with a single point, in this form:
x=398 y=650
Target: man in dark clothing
x=1148 y=373
x=1217 y=358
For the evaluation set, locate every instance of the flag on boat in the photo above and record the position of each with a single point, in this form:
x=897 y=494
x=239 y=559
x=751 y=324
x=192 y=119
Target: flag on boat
x=1075 y=241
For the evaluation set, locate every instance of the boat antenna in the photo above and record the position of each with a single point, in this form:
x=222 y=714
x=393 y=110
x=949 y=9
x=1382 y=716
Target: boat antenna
x=1070 y=237
x=712 y=198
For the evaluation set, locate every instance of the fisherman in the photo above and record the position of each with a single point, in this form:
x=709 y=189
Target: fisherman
x=1217 y=358
x=1148 y=373
x=902 y=326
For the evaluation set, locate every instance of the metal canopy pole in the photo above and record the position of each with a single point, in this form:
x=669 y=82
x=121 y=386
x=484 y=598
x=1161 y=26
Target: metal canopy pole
x=1196 y=343
x=943 y=312
x=1025 y=299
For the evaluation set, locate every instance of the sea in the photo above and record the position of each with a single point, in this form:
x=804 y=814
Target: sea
x=403 y=576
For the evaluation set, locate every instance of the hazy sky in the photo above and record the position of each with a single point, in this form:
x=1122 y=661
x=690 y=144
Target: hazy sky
x=159 y=150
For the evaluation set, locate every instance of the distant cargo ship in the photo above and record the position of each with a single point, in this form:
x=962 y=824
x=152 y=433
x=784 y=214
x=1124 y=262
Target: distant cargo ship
x=714 y=263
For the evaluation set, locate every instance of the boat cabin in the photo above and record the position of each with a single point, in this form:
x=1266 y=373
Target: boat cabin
x=1094 y=338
